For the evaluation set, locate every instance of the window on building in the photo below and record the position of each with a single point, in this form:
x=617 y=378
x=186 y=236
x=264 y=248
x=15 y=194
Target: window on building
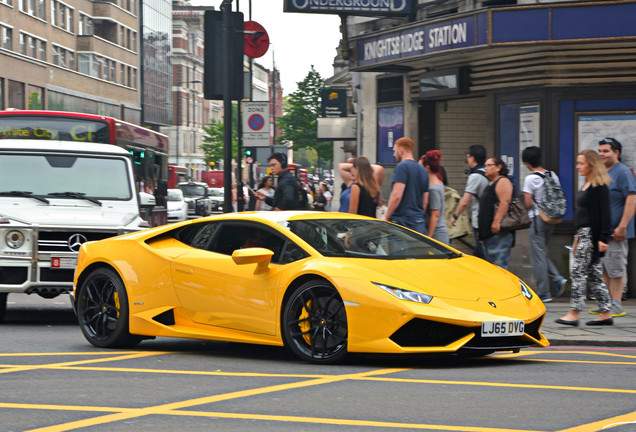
x=42 y=50
x=122 y=75
x=33 y=7
x=6 y=37
x=23 y=42
x=85 y=25
x=390 y=89
x=121 y=36
x=134 y=41
x=134 y=79
x=7 y=2
x=63 y=57
x=2 y=93
x=35 y=98
x=62 y=15
x=16 y=94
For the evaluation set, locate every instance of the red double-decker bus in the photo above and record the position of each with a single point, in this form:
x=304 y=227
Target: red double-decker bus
x=148 y=148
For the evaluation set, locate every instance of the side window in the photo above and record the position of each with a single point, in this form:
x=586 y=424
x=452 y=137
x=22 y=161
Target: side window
x=231 y=237
x=197 y=235
x=292 y=253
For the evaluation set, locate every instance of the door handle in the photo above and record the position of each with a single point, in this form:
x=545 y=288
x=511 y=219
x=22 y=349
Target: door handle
x=185 y=270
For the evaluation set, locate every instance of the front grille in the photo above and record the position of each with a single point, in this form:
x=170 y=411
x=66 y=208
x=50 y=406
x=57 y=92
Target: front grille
x=58 y=241
x=424 y=333
x=56 y=275
x=13 y=275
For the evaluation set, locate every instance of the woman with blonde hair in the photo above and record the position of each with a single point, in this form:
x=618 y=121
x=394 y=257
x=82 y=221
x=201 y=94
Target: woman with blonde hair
x=437 y=228
x=592 y=223
x=365 y=191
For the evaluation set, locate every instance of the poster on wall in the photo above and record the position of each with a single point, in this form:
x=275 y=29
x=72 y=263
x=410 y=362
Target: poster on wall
x=529 y=133
x=390 y=128
x=592 y=127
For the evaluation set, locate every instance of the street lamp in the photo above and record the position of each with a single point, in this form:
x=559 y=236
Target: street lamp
x=179 y=111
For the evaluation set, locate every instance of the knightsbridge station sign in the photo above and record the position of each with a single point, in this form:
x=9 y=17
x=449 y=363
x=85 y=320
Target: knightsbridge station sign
x=414 y=41
x=354 y=7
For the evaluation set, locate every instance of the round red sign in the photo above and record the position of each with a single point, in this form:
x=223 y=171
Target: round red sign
x=256 y=40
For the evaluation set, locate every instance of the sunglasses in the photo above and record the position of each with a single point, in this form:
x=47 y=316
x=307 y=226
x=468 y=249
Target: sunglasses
x=610 y=142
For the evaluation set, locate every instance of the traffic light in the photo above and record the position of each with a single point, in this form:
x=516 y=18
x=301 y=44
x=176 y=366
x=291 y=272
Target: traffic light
x=247 y=152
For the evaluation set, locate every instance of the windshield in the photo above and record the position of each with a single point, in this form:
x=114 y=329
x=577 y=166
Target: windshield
x=99 y=178
x=215 y=192
x=192 y=190
x=365 y=239
x=175 y=195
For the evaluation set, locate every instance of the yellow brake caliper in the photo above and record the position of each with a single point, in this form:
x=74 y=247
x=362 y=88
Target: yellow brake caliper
x=305 y=323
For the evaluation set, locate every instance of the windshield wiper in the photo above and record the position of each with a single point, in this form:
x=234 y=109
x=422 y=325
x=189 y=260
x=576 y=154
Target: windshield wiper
x=25 y=194
x=79 y=195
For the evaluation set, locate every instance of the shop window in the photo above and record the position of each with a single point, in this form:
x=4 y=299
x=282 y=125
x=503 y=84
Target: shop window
x=16 y=94
x=390 y=89
x=35 y=98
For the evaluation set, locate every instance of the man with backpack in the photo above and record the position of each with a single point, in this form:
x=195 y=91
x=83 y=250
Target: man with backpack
x=545 y=200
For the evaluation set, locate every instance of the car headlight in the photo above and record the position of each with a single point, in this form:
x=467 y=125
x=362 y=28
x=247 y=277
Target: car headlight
x=14 y=239
x=525 y=290
x=403 y=294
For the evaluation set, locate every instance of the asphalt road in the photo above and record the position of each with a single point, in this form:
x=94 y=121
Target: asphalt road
x=51 y=379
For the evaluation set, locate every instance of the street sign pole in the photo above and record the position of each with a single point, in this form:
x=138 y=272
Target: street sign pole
x=226 y=8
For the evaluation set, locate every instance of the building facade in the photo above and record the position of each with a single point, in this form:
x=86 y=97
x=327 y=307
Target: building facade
x=505 y=74
x=75 y=55
x=156 y=69
x=191 y=112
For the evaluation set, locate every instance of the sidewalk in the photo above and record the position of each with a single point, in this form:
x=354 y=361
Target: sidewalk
x=621 y=334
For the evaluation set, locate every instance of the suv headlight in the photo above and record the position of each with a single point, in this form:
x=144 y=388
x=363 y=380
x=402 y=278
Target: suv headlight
x=14 y=239
x=403 y=294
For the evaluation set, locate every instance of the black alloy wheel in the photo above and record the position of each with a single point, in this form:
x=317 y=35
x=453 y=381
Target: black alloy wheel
x=102 y=310
x=315 y=323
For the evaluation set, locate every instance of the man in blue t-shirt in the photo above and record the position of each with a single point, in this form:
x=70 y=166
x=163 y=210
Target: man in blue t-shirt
x=409 y=188
x=622 y=194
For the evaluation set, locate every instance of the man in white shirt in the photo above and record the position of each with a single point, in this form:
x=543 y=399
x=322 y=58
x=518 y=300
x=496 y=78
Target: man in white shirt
x=545 y=272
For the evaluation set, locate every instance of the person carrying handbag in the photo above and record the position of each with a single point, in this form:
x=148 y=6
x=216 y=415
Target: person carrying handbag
x=493 y=206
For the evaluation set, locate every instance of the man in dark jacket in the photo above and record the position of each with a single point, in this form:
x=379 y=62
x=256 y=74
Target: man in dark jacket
x=286 y=194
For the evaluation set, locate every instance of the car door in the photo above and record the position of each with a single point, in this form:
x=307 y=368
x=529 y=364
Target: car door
x=214 y=290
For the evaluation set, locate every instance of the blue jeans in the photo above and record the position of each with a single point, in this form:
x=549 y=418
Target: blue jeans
x=416 y=223
x=497 y=248
x=545 y=273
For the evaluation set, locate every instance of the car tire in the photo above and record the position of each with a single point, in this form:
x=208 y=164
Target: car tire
x=315 y=323
x=102 y=310
x=3 y=305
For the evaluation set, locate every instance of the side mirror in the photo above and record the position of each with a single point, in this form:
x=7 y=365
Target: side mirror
x=260 y=256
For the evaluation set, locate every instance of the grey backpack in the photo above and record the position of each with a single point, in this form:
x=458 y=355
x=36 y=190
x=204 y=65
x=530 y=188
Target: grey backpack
x=553 y=205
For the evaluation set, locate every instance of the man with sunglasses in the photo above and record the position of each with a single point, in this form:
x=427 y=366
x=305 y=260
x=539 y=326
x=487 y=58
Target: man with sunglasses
x=622 y=192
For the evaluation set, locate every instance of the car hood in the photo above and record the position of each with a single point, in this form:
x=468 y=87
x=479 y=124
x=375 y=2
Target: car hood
x=75 y=214
x=463 y=278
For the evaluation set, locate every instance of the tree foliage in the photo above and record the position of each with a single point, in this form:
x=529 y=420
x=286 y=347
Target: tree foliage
x=213 y=141
x=299 y=122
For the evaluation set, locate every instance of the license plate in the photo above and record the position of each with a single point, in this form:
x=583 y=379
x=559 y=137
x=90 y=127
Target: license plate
x=502 y=328
x=63 y=263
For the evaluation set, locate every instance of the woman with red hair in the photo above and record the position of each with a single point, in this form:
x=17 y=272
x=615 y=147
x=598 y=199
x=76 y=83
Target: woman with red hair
x=437 y=228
